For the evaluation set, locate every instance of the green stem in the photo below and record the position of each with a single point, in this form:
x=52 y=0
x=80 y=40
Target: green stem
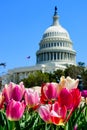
x=17 y=125
x=45 y=126
x=5 y=118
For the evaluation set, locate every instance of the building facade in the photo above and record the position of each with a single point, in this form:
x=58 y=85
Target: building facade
x=55 y=52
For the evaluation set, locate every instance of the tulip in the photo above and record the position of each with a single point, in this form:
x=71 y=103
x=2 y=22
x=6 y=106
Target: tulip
x=49 y=92
x=58 y=114
x=76 y=96
x=44 y=112
x=68 y=82
x=15 y=110
x=32 y=98
x=13 y=91
x=70 y=98
x=69 y=95
x=65 y=98
x=84 y=93
x=53 y=113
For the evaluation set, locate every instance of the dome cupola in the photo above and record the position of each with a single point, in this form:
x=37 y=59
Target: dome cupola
x=56 y=29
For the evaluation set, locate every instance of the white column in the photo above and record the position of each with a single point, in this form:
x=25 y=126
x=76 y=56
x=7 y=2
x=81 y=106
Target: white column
x=49 y=55
x=59 y=55
x=67 y=56
x=56 y=55
x=43 y=56
x=63 y=56
x=53 y=55
x=46 y=56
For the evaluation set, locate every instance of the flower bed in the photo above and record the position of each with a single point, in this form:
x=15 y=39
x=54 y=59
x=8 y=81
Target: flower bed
x=55 y=106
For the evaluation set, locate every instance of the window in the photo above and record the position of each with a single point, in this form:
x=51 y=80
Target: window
x=51 y=44
x=57 y=43
x=54 y=44
x=54 y=55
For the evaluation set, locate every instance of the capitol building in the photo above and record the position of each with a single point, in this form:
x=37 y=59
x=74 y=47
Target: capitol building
x=55 y=52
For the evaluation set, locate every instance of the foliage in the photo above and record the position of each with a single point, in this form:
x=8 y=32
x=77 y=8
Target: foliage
x=36 y=79
x=73 y=71
x=81 y=64
x=84 y=78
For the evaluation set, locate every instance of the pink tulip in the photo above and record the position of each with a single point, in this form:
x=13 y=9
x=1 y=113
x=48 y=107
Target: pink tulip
x=49 y=92
x=13 y=91
x=53 y=113
x=84 y=93
x=15 y=110
x=32 y=98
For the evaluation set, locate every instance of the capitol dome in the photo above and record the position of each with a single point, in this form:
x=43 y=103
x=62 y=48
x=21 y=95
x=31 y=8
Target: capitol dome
x=55 y=47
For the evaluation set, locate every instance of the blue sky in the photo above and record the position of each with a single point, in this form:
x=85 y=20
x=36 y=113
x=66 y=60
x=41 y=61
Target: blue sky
x=23 y=22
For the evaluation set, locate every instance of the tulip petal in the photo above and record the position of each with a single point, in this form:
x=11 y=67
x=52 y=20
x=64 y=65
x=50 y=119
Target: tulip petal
x=60 y=110
x=76 y=94
x=16 y=94
x=51 y=91
x=1 y=101
x=44 y=113
x=65 y=98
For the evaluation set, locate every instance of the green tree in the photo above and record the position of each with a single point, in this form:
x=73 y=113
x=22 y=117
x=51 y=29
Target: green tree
x=81 y=64
x=36 y=79
x=57 y=74
x=73 y=71
x=84 y=78
x=52 y=77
